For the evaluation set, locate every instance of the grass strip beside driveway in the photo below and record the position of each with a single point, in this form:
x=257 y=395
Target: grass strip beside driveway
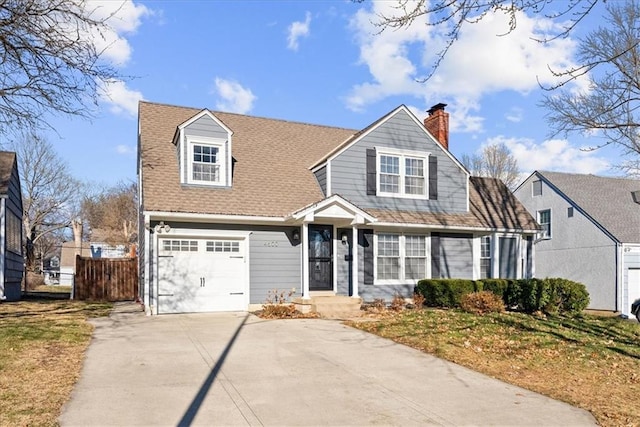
x=42 y=345
x=590 y=362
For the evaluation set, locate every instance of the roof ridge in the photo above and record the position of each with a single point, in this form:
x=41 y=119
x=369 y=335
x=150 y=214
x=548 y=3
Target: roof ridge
x=623 y=178
x=247 y=115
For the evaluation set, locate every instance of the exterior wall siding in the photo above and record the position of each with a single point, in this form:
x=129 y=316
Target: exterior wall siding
x=578 y=250
x=342 y=264
x=321 y=177
x=14 y=262
x=456 y=257
x=348 y=170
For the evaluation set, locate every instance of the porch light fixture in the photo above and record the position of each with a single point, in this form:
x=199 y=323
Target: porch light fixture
x=159 y=228
x=344 y=237
x=296 y=235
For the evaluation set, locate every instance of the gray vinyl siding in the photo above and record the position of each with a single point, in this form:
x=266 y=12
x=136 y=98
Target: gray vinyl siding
x=456 y=257
x=274 y=263
x=578 y=249
x=14 y=263
x=321 y=177
x=274 y=259
x=348 y=169
x=205 y=127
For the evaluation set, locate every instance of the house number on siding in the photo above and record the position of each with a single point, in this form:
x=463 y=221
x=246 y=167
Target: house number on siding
x=271 y=244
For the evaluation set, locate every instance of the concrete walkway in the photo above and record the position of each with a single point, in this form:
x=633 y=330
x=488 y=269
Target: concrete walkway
x=237 y=369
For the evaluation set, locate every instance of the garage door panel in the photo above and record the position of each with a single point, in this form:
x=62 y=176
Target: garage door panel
x=210 y=278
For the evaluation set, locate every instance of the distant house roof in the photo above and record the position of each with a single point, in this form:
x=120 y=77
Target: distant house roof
x=270 y=172
x=491 y=206
x=7 y=160
x=608 y=201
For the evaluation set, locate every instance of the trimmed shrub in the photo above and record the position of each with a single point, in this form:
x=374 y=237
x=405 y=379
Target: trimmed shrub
x=496 y=286
x=444 y=292
x=482 y=302
x=566 y=296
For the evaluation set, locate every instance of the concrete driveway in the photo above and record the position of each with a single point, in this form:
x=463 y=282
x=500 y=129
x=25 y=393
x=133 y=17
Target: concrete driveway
x=237 y=369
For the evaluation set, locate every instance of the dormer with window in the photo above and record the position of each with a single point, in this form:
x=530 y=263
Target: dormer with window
x=204 y=151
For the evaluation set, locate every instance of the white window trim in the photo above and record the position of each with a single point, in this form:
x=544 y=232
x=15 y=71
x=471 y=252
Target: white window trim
x=424 y=156
x=550 y=235
x=490 y=257
x=221 y=144
x=402 y=253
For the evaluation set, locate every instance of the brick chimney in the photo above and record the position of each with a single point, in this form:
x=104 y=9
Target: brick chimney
x=437 y=123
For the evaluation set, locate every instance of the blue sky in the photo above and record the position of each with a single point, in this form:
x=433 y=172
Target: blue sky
x=321 y=62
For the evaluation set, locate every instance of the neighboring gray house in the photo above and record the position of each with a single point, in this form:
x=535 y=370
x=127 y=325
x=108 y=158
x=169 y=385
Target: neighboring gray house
x=591 y=233
x=11 y=258
x=232 y=206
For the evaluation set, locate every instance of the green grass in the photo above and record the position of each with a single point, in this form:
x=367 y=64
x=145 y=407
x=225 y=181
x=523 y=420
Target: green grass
x=42 y=344
x=588 y=361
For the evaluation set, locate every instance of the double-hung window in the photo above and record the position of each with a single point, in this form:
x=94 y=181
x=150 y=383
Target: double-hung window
x=401 y=258
x=402 y=174
x=485 y=257
x=544 y=219
x=206 y=163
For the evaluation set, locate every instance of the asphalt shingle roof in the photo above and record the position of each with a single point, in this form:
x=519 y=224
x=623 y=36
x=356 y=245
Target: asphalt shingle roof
x=606 y=200
x=491 y=206
x=271 y=175
x=7 y=159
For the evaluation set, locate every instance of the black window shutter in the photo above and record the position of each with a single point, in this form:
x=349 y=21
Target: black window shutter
x=365 y=240
x=433 y=178
x=371 y=172
x=435 y=255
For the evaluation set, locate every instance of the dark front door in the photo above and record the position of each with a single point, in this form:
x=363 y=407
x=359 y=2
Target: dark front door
x=320 y=258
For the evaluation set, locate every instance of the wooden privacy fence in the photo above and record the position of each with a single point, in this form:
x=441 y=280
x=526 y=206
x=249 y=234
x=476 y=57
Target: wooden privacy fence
x=106 y=279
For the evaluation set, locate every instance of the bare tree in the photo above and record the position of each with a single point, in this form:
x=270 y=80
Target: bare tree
x=495 y=161
x=611 y=58
x=453 y=15
x=49 y=192
x=49 y=62
x=113 y=213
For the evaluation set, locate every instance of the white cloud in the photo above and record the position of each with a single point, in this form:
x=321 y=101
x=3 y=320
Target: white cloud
x=552 y=155
x=125 y=150
x=123 y=18
x=120 y=98
x=514 y=115
x=235 y=98
x=297 y=30
x=480 y=62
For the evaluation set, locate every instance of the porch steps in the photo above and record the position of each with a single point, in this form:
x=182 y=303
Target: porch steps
x=331 y=306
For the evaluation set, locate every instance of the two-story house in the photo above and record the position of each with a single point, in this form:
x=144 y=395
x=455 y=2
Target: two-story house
x=232 y=206
x=591 y=233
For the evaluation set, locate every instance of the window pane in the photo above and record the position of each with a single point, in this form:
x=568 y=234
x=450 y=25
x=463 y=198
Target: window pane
x=389 y=184
x=414 y=185
x=485 y=268
x=388 y=245
x=485 y=247
x=388 y=268
x=415 y=246
x=414 y=167
x=544 y=218
x=390 y=164
x=415 y=268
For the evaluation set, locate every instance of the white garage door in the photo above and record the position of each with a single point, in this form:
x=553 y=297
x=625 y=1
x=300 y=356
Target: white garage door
x=202 y=275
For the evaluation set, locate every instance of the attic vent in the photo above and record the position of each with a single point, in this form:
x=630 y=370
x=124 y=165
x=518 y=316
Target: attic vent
x=636 y=196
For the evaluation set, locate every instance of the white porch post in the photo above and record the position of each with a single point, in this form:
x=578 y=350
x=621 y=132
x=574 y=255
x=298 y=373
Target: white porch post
x=305 y=261
x=354 y=263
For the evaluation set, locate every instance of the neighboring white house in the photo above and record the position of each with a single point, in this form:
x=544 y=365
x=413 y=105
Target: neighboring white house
x=591 y=233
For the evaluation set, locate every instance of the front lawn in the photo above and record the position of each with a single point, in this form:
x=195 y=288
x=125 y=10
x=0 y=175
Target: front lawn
x=590 y=362
x=42 y=345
